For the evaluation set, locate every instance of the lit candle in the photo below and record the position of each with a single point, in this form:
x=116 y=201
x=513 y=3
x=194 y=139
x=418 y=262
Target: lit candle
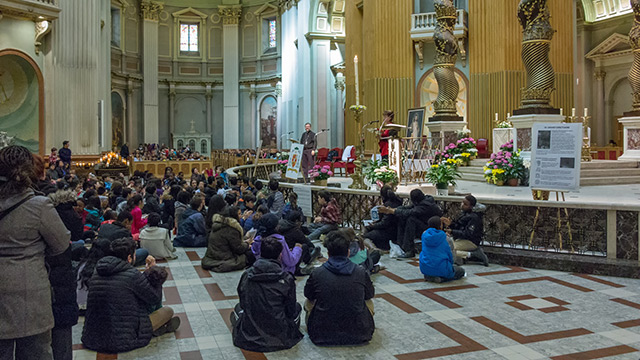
x=508 y=115
x=355 y=63
x=586 y=111
x=561 y=111
x=496 y=117
x=573 y=112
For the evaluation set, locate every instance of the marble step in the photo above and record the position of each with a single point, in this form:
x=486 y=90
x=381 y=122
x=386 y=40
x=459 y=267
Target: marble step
x=471 y=169
x=608 y=173
x=613 y=180
x=608 y=164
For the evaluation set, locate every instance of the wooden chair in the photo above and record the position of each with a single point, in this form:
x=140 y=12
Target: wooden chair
x=483 y=148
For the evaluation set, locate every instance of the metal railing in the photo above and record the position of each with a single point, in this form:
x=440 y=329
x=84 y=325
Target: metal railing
x=425 y=23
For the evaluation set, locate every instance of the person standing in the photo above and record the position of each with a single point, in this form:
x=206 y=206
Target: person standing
x=124 y=151
x=65 y=153
x=308 y=141
x=383 y=144
x=30 y=228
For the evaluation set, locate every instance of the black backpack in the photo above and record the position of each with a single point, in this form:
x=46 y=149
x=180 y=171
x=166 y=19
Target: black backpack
x=332 y=155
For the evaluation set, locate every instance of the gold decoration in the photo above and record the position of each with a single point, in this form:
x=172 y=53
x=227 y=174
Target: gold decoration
x=445 y=59
x=230 y=15
x=536 y=42
x=358 y=177
x=150 y=10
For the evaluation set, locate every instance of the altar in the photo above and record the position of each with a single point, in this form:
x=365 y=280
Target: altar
x=195 y=141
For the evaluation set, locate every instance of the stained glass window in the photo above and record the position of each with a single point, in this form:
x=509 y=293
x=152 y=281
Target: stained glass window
x=188 y=37
x=272 y=33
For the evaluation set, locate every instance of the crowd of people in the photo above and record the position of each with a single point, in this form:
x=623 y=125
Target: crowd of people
x=94 y=235
x=161 y=152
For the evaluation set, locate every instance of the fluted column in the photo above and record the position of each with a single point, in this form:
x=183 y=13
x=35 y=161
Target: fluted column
x=339 y=85
x=150 y=10
x=254 y=110
x=208 y=95
x=130 y=135
x=172 y=115
x=600 y=108
x=231 y=74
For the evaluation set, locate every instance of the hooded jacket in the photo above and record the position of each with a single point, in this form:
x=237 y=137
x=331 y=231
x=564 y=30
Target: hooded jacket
x=64 y=201
x=424 y=210
x=290 y=257
x=151 y=205
x=25 y=292
x=225 y=250
x=192 y=231
x=63 y=282
x=469 y=225
x=268 y=300
x=292 y=233
x=113 y=231
x=340 y=316
x=436 y=258
x=117 y=319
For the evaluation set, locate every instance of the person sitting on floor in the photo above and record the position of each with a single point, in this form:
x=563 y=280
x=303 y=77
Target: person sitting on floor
x=117 y=319
x=467 y=231
x=291 y=228
x=267 y=318
x=339 y=307
x=192 y=231
x=275 y=201
x=226 y=250
x=268 y=226
x=359 y=254
x=292 y=205
x=156 y=239
x=379 y=233
x=412 y=220
x=329 y=218
x=436 y=259
x=121 y=228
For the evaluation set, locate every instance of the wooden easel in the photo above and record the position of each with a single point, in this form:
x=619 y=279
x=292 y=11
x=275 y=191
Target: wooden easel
x=543 y=195
x=255 y=166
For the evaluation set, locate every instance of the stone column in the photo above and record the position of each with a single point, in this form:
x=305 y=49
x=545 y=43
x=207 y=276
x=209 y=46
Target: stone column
x=601 y=119
x=254 y=110
x=150 y=11
x=231 y=75
x=172 y=115
x=130 y=119
x=278 y=94
x=208 y=95
x=339 y=85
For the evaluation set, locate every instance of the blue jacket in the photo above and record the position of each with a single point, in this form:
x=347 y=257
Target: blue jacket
x=192 y=231
x=436 y=258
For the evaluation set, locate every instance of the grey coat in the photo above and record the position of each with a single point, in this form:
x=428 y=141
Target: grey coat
x=28 y=232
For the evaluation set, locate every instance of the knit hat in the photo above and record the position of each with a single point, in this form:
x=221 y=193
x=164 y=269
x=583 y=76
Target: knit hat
x=268 y=225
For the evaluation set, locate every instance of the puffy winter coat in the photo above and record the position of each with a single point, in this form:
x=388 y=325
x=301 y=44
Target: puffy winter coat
x=117 y=319
x=423 y=210
x=64 y=201
x=292 y=233
x=268 y=300
x=151 y=205
x=179 y=210
x=436 y=258
x=469 y=225
x=63 y=283
x=225 y=250
x=340 y=315
x=113 y=231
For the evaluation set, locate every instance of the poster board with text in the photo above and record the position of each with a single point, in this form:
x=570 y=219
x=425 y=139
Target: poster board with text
x=555 y=156
x=304 y=199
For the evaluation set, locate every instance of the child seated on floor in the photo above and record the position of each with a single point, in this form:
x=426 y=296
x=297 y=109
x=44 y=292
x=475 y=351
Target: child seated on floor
x=436 y=259
x=359 y=254
x=156 y=275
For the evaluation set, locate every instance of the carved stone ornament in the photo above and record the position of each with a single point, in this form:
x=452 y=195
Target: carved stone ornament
x=287 y=4
x=634 y=41
x=445 y=60
x=42 y=28
x=150 y=10
x=230 y=15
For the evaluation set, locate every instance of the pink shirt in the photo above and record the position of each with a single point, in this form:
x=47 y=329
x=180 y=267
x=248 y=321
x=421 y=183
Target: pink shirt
x=138 y=221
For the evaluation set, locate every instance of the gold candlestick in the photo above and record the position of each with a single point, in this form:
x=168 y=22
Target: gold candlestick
x=357 y=177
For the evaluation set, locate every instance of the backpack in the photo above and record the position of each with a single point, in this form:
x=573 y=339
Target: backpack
x=333 y=154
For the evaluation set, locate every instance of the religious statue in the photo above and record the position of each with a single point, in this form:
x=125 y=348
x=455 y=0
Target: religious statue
x=536 y=43
x=446 y=54
x=634 y=41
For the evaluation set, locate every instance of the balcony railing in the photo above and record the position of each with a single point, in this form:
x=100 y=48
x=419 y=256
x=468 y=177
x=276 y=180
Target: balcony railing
x=423 y=25
x=35 y=9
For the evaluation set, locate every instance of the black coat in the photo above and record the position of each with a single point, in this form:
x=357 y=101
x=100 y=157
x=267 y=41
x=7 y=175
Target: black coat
x=422 y=211
x=117 y=319
x=468 y=227
x=151 y=205
x=387 y=222
x=63 y=284
x=268 y=300
x=292 y=233
x=340 y=315
x=113 y=231
x=72 y=221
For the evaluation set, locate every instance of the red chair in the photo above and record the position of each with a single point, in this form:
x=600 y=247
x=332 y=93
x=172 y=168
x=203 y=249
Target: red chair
x=347 y=165
x=321 y=158
x=482 y=146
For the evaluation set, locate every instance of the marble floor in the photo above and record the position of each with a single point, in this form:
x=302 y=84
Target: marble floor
x=495 y=312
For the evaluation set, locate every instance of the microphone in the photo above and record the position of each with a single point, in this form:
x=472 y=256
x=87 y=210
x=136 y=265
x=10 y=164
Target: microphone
x=373 y=122
x=290 y=132
x=323 y=130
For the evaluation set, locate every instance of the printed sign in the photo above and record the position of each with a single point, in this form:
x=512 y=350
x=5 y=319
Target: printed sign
x=555 y=156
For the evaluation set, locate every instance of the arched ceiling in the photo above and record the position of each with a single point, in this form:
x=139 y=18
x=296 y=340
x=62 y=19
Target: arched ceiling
x=598 y=10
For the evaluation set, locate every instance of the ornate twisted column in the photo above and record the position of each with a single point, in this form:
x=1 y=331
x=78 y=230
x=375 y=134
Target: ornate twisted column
x=445 y=60
x=231 y=75
x=537 y=33
x=150 y=10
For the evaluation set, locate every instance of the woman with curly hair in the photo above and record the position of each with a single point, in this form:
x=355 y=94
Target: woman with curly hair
x=30 y=227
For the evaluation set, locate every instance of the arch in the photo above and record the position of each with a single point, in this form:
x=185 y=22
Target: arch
x=429 y=72
x=38 y=73
x=589 y=10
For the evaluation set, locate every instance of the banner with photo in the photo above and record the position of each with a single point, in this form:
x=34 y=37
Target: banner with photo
x=555 y=156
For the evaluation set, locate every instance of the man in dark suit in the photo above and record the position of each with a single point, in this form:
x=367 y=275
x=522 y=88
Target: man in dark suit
x=65 y=153
x=308 y=140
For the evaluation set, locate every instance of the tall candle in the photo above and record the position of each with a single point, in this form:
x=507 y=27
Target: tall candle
x=586 y=111
x=573 y=112
x=496 y=117
x=355 y=63
x=508 y=115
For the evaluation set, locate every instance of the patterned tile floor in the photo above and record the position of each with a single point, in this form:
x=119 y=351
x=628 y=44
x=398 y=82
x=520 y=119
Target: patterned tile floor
x=493 y=313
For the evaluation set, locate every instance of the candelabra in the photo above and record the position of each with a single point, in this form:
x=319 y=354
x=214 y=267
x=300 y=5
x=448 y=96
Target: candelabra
x=357 y=177
x=586 y=144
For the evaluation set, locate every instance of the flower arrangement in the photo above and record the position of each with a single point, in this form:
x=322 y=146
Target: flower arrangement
x=464 y=133
x=503 y=125
x=320 y=173
x=282 y=164
x=378 y=172
x=443 y=175
x=358 y=108
x=464 y=150
x=504 y=165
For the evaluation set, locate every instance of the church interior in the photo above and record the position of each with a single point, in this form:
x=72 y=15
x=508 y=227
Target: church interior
x=532 y=106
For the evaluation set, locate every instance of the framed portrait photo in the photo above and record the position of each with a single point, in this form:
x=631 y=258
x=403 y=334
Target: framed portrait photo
x=415 y=122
